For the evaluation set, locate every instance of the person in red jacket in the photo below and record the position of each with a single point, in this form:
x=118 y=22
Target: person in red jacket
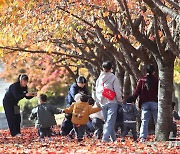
x=147 y=90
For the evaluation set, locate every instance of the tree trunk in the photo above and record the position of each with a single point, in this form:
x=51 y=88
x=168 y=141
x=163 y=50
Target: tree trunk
x=165 y=90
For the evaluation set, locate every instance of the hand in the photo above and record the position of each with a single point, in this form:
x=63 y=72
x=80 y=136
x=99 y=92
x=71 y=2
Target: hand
x=31 y=94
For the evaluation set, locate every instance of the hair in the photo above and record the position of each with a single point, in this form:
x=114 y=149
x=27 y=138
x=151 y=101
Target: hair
x=130 y=99
x=107 y=65
x=91 y=101
x=81 y=79
x=77 y=97
x=43 y=97
x=150 y=70
x=84 y=98
x=23 y=77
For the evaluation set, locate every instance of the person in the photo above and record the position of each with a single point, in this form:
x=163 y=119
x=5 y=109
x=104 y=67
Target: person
x=147 y=90
x=97 y=122
x=78 y=87
x=14 y=94
x=43 y=113
x=80 y=115
x=129 y=114
x=109 y=105
x=175 y=117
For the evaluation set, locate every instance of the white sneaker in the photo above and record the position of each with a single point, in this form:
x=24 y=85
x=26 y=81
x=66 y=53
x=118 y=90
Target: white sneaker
x=142 y=140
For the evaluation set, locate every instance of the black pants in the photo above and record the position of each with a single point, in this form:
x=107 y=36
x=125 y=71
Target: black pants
x=14 y=120
x=66 y=127
x=98 y=126
x=128 y=127
x=44 y=132
x=80 y=130
x=174 y=129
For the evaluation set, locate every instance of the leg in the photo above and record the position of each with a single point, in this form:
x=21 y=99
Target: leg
x=9 y=112
x=134 y=132
x=48 y=132
x=145 y=115
x=98 y=126
x=17 y=123
x=126 y=130
x=109 y=125
x=174 y=129
x=154 y=110
x=80 y=130
x=41 y=132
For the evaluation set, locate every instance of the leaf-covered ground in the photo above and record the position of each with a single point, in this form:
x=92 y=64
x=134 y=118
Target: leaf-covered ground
x=29 y=143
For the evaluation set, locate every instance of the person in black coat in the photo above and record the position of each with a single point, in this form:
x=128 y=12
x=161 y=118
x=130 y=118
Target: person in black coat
x=78 y=87
x=15 y=93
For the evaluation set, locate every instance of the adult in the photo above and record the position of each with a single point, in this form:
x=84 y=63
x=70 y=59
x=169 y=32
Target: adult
x=109 y=106
x=147 y=90
x=78 y=87
x=15 y=93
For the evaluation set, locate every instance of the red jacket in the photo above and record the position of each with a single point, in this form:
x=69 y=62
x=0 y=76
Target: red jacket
x=144 y=94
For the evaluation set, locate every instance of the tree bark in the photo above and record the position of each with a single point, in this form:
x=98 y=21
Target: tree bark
x=165 y=90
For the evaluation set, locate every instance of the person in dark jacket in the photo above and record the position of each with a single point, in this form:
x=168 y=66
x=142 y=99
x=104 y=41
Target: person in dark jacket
x=129 y=114
x=43 y=113
x=119 y=120
x=78 y=87
x=14 y=94
x=175 y=116
x=147 y=90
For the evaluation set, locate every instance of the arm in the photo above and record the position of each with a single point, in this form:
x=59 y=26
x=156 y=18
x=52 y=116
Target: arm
x=55 y=110
x=137 y=90
x=33 y=114
x=175 y=115
x=93 y=109
x=117 y=90
x=16 y=92
x=73 y=91
x=135 y=111
x=69 y=110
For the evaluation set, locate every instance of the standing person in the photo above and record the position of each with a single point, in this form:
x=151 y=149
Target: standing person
x=78 y=87
x=147 y=90
x=44 y=115
x=130 y=114
x=80 y=115
x=15 y=93
x=109 y=105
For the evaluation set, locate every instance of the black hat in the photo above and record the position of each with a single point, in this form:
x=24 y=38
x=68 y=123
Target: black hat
x=150 y=68
x=81 y=79
x=107 y=65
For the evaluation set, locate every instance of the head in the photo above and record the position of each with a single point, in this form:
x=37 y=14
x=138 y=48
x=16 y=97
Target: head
x=23 y=79
x=81 y=81
x=42 y=98
x=91 y=101
x=130 y=99
x=150 y=69
x=84 y=98
x=107 y=66
x=77 y=97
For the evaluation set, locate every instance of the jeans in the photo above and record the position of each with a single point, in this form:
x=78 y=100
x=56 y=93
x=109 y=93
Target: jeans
x=127 y=128
x=147 y=108
x=80 y=130
x=110 y=113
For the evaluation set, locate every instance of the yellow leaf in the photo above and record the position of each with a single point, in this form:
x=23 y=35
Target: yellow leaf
x=106 y=14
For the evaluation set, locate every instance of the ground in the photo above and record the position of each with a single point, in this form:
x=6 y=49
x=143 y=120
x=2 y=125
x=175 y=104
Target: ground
x=30 y=143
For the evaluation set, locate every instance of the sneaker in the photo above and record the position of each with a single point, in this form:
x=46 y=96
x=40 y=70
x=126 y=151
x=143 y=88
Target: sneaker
x=142 y=140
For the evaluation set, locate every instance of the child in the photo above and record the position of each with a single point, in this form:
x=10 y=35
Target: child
x=80 y=115
x=44 y=115
x=119 y=120
x=97 y=122
x=129 y=114
x=175 y=117
x=67 y=126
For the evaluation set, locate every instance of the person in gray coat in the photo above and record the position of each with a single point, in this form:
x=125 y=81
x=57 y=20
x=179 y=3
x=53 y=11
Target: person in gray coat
x=130 y=114
x=43 y=113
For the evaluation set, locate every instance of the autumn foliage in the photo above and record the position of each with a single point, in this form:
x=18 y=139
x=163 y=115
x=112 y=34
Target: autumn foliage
x=30 y=143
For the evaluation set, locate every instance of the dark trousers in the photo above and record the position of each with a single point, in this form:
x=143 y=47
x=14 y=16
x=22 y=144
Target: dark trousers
x=66 y=127
x=80 y=130
x=98 y=126
x=119 y=125
x=44 y=132
x=14 y=120
x=174 y=129
x=127 y=128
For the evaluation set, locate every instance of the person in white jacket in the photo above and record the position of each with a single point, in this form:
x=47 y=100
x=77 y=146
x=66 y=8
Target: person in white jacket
x=109 y=106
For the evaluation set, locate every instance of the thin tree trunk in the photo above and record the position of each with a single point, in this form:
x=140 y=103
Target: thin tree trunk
x=165 y=90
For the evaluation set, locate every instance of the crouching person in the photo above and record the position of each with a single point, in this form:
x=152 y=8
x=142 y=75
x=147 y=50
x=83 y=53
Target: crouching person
x=80 y=115
x=43 y=113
